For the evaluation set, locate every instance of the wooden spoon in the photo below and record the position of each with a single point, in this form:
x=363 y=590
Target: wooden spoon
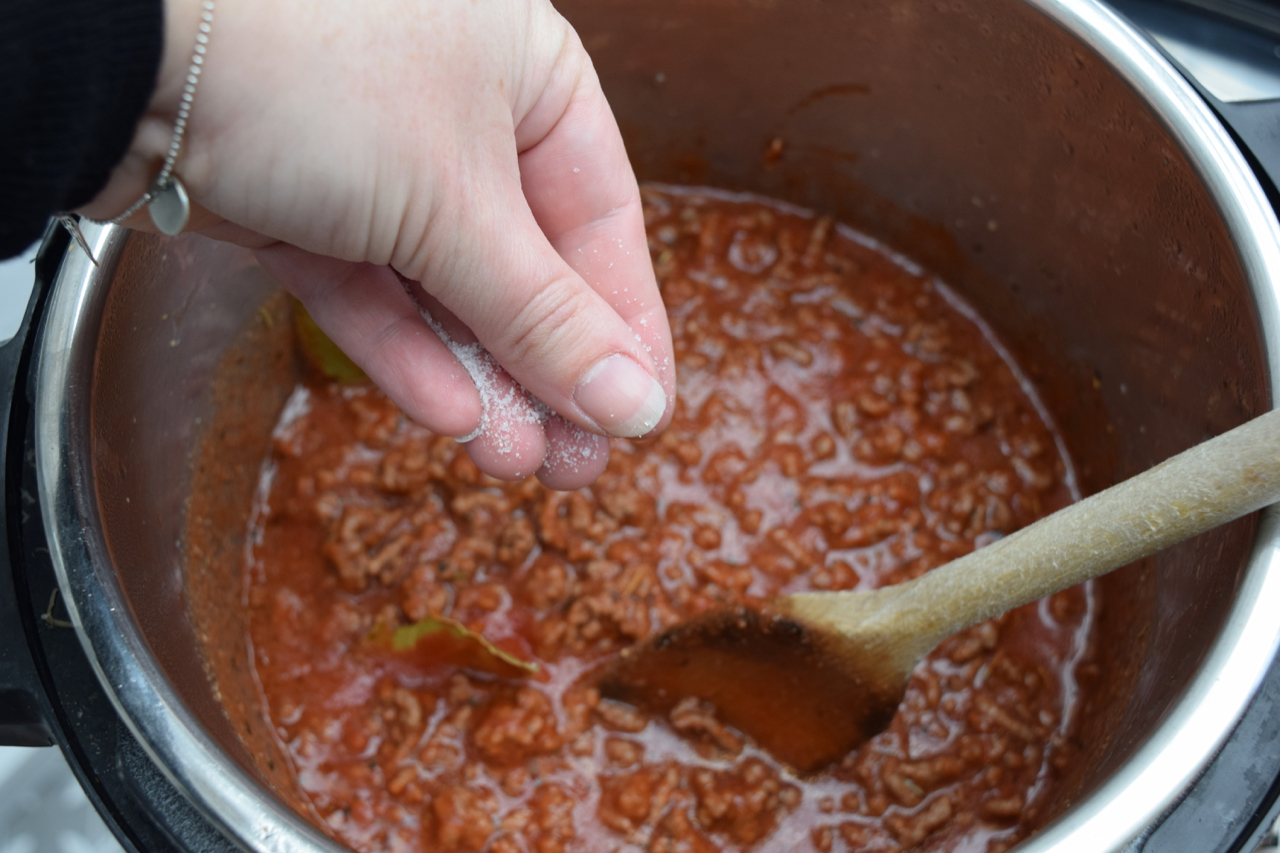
x=810 y=676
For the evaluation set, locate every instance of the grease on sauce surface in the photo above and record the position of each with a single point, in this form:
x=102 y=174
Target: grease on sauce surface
x=843 y=422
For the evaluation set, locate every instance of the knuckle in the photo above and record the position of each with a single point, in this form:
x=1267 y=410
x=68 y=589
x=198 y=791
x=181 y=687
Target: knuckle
x=554 y=319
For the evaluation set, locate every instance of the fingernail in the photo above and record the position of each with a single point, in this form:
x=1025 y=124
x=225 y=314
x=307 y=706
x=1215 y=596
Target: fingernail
x=621 y=397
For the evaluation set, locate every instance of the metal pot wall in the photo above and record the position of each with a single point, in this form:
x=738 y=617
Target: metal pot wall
x=1039 y=156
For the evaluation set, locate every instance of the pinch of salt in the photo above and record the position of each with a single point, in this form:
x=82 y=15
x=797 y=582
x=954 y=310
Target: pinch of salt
x=503 y=406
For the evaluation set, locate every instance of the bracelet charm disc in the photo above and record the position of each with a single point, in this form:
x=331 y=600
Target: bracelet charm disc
x=170 y=207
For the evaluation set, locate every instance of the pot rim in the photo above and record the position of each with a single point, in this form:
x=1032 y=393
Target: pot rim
x=127 y=669
x=1193 y=731
x=1114 y=814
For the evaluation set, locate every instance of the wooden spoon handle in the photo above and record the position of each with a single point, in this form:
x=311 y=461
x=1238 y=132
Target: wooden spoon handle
x=1201 y=488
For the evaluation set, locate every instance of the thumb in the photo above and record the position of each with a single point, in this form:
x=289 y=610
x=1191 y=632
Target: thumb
x=566 y=343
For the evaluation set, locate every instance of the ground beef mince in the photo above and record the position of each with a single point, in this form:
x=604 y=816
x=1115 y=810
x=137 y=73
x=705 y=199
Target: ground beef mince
x=844 y=421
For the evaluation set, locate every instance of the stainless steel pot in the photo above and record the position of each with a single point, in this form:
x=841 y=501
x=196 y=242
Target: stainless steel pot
x=1039 y=155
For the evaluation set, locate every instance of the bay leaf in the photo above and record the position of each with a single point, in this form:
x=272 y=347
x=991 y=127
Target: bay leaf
x=321 y=352
x=439 y=639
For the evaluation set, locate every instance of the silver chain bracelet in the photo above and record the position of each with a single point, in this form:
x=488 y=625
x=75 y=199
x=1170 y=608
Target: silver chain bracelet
x=166 y=200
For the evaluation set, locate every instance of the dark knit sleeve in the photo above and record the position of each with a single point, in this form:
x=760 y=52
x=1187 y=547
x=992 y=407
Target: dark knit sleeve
x=75 y=79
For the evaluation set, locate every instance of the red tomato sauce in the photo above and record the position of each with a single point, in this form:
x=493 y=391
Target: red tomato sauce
x=844 y=421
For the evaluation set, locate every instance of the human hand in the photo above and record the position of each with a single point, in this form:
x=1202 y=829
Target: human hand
x=459 y=152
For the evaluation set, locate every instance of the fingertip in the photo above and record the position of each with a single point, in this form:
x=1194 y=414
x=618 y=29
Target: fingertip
x=511 y=443
x=509 y=454
x=575 y=457
x=445 y=402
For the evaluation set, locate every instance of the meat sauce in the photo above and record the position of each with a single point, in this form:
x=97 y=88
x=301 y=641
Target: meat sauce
x=843 y=422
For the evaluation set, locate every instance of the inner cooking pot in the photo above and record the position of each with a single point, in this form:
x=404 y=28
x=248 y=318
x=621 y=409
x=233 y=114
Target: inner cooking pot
x=1039 y=157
